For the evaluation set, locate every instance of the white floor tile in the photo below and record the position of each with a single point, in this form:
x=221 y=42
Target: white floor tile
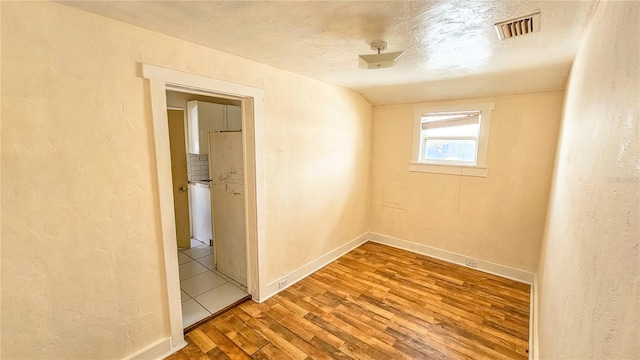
x=198 y=252
x=208 y=262
x=182 y=258
x=192 y=312
x=220 y=297
x=221 y=275
x=190 y=269
x=184 y=296
x=239 y=286
x=201 y=283
x=196 y=243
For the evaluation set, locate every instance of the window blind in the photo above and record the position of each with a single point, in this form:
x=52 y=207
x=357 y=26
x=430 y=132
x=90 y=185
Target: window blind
x=441 y=120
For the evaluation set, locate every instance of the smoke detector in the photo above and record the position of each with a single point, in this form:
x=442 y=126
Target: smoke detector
x=520 y=26
x=379 y=60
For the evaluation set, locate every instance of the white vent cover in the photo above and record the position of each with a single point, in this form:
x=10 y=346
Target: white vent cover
x=519 y=26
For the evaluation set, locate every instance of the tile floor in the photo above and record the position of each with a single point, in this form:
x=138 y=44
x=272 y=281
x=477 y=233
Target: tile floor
x=204 y=290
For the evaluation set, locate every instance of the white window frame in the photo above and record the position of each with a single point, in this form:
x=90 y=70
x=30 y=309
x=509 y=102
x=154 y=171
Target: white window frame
x=452 y=167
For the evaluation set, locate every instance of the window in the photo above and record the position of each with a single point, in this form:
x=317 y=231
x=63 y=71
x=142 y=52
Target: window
x=451 y=139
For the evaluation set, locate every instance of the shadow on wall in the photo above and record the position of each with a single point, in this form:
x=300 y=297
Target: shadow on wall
x=469 y=86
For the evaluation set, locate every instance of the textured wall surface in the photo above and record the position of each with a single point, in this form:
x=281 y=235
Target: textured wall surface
x=499 y=218
x=82 y=268
x=588 y=276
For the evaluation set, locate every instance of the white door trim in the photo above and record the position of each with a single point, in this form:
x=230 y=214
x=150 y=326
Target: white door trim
x=160 y=80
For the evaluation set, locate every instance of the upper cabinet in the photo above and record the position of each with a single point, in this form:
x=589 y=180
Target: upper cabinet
x=203 y=117
x=234 y=117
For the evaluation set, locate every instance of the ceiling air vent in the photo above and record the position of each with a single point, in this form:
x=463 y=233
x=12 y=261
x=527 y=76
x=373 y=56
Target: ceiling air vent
x=519 y=26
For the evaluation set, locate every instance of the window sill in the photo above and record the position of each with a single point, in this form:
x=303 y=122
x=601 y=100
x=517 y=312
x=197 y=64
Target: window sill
x=461 y=170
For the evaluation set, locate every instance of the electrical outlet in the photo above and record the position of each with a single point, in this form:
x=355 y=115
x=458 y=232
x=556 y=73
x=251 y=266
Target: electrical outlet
x=282 y=284
x=471 y=263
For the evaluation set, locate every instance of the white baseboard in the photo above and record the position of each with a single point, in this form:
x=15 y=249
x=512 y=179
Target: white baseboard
x=485 y=266
x=156 y=351
x=315 y=265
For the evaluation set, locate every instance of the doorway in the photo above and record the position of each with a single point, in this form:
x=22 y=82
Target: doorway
x=159 y=80
x=205 y=135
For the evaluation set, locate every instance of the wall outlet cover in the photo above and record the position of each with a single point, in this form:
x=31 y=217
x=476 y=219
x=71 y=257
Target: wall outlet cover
x=282 y=283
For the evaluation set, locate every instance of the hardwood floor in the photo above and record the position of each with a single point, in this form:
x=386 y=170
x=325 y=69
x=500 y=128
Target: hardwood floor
x=376 y=302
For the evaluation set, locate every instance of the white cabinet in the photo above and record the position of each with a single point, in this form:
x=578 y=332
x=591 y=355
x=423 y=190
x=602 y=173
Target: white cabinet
x=234 y=117
x=201 y=212
x=203 y=117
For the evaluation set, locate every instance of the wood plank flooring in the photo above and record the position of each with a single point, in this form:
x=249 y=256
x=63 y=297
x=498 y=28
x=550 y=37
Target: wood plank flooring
x=376 y=302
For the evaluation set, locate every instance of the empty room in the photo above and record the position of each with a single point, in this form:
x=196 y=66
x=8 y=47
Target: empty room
x=320 y=180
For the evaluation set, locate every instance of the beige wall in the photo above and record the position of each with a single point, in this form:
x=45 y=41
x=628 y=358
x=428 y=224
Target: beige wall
x=499 y=218
x=82 y=271
x=588 y=277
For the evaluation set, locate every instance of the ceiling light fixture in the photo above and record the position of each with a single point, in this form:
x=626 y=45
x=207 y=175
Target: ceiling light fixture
x=379 y=60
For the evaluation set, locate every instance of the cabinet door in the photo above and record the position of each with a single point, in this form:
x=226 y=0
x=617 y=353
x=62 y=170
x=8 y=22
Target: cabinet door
x=193 y=128
x=203 y=117
x=201 y=210
x=212 y=118
x=234 y=117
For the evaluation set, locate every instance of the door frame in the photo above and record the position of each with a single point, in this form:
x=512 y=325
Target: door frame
x=162 y=79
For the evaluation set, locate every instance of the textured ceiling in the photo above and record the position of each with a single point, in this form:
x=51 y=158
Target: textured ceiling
x=452 y=50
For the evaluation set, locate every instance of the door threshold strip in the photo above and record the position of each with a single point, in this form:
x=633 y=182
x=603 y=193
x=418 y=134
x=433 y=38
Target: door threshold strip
x=218 y=313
